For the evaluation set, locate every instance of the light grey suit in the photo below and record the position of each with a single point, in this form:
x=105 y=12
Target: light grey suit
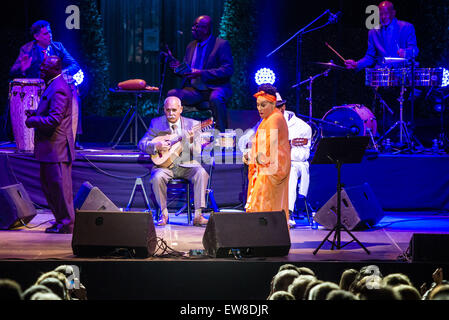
x=183 y=168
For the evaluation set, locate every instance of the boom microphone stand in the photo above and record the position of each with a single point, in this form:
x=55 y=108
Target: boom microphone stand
x=298 y=35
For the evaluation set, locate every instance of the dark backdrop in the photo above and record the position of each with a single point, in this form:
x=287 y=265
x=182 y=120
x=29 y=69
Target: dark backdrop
x=134 y=30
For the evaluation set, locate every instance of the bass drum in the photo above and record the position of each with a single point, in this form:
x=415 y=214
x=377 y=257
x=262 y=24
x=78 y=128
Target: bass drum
x=349 y=120
x=24 y=94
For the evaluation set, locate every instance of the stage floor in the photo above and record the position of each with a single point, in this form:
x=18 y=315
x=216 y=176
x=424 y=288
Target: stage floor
x=386 y=241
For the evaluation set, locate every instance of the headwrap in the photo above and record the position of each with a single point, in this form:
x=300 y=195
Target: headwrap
x=267 y=96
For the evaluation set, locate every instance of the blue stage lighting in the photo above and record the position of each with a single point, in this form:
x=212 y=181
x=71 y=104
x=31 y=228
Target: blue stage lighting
x=78 y=77
x=445 y=81
x=265 y=75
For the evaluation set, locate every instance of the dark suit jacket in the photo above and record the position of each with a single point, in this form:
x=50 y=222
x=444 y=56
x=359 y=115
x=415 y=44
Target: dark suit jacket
x=218 y=64
x=53 y=135
x=403 y=36
x=34 y=51
x=160 y=127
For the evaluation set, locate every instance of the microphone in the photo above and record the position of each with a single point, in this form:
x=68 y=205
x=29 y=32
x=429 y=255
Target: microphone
x=334 y=17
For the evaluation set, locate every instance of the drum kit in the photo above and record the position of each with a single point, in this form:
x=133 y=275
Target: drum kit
x=359 y=120
x=25 y=94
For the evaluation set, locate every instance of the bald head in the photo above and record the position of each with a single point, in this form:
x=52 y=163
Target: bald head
x=387 y=12
x=202 y=28
x=50 y=67
x=172 y=109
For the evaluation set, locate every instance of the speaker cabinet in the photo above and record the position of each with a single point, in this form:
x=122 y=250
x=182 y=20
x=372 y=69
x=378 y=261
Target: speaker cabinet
x=255 y=234
x=359 y=209
x=100 y=233
x=16 y=207
x=428 y=247
x=92 y=198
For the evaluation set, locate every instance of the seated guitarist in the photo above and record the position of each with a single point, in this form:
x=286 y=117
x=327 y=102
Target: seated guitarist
x=299 y=135
x=173 y=123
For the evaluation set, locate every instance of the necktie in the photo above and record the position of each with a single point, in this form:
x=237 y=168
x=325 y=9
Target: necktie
x=174 y=128
x=199 y=55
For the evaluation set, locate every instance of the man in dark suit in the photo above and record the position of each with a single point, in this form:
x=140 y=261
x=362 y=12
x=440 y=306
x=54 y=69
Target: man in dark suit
x=183 y=167
x=31 y=55
x=211 y=63
x=54 y=145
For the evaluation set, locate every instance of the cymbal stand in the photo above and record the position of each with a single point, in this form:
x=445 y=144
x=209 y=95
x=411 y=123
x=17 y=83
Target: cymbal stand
x=309 y=88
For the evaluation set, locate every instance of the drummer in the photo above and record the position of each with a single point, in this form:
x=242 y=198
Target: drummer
x=394 y=38
x=32 y=54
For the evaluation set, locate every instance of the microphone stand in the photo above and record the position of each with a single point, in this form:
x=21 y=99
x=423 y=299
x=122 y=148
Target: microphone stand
x=298 y=35
x=164 y=71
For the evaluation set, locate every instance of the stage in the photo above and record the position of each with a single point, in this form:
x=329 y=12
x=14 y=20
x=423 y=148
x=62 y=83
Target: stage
x=412 y=190
x=26 y=253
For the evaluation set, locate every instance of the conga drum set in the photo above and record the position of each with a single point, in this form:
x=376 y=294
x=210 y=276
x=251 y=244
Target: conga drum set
x=25 y=94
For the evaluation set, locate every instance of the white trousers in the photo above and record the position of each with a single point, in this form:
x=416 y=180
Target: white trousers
x=299 y=170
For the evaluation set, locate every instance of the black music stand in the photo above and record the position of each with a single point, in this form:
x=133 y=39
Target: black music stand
x=133 y=116
x=339 y=150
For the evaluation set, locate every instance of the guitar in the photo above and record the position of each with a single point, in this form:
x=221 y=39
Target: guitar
x=166 y=158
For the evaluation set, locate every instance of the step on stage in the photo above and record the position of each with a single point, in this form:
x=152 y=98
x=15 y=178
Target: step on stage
x=412 y=189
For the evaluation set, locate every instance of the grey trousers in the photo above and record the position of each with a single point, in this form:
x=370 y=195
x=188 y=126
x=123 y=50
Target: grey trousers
x=196 y=175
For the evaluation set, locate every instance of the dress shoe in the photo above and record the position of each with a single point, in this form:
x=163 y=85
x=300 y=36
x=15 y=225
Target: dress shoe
x=199 y=221
x=60 y=228
x=163 y=221
x=78 y=146
x=291 y=223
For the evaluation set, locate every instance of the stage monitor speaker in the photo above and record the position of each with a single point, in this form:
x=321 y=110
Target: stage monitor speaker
x=255 y=234
x=359 y=209
x=16 y=207
x=101 y=233
x=428 y=247
x=92 y=198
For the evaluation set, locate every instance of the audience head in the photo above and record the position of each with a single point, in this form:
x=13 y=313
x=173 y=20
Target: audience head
x=283 y=279
x=28 y=293
x=340 y=295
x=407 y=292
x=45 y=296
x=379 y=293
x=306 y=271
x=440 y=292
x=10 y=290
x=395 y=279
x=287 y=266
x=281 y=295
x=299 y=286
x=320 y=291
x=310 y=286
x=347 y=278
x=58 y=283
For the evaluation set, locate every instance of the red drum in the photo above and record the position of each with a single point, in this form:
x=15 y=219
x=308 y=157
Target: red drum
x=349 y=120
x=24 y=94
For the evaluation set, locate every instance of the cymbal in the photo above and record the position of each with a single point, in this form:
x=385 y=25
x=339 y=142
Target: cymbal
x=330 y=65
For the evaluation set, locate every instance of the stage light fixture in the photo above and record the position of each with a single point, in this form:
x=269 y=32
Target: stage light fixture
x=265 y=75
x=78 y=77
x=445 y=78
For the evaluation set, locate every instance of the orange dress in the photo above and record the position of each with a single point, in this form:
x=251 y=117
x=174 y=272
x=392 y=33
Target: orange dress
x=268 y=179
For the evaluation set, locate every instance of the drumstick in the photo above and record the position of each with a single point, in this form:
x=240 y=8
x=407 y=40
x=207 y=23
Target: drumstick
x=328 y=45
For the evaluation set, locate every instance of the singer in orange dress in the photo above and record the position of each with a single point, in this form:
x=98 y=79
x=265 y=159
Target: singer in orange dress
x=269 y=160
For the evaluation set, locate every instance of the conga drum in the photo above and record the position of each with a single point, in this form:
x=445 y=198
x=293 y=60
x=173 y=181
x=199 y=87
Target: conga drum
x=24 y=94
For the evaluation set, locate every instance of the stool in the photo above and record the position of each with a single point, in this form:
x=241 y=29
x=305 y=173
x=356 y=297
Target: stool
x=176 y=192
x=138 y=184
